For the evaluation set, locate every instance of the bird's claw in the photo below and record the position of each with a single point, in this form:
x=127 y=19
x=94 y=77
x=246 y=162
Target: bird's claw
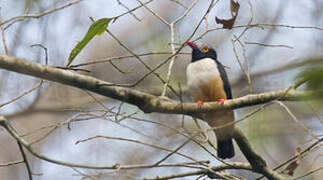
x=221 y=101
x=199 y=102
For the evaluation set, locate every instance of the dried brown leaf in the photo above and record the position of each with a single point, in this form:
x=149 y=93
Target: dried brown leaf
x=293 y=165
x=234 y=8
x=228 y=23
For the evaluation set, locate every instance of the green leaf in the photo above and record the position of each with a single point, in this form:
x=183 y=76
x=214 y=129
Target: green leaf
x=97 y=28
x=314 y=76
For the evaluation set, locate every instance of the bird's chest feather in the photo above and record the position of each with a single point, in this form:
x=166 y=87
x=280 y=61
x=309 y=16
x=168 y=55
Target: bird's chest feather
x=204 y=81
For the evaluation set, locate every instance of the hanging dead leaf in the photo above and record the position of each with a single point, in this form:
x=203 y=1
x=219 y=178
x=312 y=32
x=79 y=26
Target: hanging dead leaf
x=293 y=165
x=234 y=8
x=228 y=23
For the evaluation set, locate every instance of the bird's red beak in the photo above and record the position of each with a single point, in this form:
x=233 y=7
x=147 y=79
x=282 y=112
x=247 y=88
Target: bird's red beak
x=192 y=45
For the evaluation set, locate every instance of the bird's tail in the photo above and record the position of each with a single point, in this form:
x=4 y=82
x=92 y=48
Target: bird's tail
x=223 y=134
x=225 y=148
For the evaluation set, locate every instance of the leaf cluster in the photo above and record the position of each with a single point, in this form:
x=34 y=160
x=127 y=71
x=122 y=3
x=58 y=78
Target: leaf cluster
x=314 y=77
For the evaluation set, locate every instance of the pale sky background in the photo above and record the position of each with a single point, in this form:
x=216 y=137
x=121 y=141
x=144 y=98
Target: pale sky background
x=61 y=31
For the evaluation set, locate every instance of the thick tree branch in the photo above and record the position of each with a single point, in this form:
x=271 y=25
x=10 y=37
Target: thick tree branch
x=257 y=163
x=146 y=102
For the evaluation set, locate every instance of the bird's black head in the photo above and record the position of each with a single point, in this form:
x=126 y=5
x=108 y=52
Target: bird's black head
x=200 y=51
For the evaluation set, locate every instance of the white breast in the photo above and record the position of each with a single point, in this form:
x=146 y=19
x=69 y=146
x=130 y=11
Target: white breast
x=199 y=73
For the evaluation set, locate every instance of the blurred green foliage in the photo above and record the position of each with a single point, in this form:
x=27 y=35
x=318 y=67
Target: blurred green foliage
x=314 y=77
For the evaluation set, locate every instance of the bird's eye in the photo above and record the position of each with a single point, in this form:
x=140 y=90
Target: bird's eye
x=205 y=49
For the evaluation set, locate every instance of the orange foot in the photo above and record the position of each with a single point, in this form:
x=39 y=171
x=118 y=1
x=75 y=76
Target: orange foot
x=221 y=101
x=199 y=102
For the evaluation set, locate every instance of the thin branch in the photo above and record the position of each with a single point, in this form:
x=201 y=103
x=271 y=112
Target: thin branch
x=132 y=10
x=176 y=150
x=25 y=160
x=128 y=9
x=137 y=57
x=4 y=123
x=110 y=59
x=245 y=166
x=296 y=120
x=315 y=112
x=262 y=26
x=181 y=47
x=281 y=25
x=180 y=175
x=171 y=26
x=133 y=54
x=305 y=151
x=3 y=37
x=269 y=45
x=258 y=165
x=172 y=44
x=23 y=94
x=153 y=13
x=179 y=3
x=186 y=12
x=12 y=163
x=249 y=22
x=45 y=50
x=138 y=142
x=309 y=173
x=247 y=72
x=38 y=15
x=84 y=174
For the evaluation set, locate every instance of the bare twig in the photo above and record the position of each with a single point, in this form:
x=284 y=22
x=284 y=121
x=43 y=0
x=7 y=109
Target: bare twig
x=153 y=12
x=205 y=171
x=172 y=44
x=269 y=45
x=3 y=37
x=23 y=94
x=257 y=163
x=137 y=57
x=4 y=123
x=45 y=50
x=132 y=10
x=262 y=26
x=246 y=72
x=181 y=47
x=38 y=15
x=171 y=26
x=128 y=9
x=176 y=150
x=84 y=174
x=104 y=60
x=305 y=151
x=185 y=13
x=138 y=142
x=309 y=173
x=296 y=120
x=315 y=112
x=250 y=21
x=12 y=163
x=25 y=160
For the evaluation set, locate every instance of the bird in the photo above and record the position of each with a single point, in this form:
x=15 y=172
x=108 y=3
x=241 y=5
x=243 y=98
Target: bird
x=207 y=81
